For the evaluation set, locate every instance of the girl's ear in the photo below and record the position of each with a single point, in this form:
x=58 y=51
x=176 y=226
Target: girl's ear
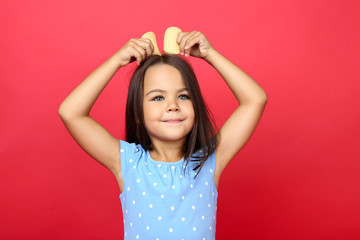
x=170 y=40
x=152 y=37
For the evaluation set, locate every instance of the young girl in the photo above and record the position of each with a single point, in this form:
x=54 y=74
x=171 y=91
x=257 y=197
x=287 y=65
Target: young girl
x=169 y=167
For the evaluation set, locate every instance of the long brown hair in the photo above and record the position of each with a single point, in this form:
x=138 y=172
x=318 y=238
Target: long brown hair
x=202 y=136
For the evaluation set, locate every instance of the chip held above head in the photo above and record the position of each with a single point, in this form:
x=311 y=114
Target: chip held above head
x=170 y=40
x=152 y=37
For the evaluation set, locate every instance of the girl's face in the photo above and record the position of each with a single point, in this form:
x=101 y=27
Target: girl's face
x=168 y=109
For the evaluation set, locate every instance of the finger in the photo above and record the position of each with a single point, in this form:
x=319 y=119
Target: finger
x=180 y=35
x=182 y=41
x=192 y=39
x=147 y=45
x=135 y=55
x=138 y=52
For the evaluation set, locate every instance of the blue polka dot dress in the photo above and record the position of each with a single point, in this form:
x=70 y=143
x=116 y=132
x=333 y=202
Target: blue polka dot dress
x=160 y=201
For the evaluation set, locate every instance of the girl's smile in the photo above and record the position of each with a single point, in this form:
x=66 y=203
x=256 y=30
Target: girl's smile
x=168 y=109
x=173 y=121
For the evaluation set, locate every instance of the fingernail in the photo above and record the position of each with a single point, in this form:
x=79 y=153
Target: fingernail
x=182 y=53
x=186 y=55
x=186 y=47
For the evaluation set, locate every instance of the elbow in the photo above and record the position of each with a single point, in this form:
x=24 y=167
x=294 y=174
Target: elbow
x=63 y=113
x=265 y=98
x=69 y=113
x=259 y=98
x=262 y=98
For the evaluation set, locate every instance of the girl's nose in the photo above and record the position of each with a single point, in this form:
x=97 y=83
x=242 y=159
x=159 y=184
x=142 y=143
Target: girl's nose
x=173 y=108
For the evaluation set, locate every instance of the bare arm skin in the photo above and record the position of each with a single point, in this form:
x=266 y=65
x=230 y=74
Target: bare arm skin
x=239 y=127
x=74 y=110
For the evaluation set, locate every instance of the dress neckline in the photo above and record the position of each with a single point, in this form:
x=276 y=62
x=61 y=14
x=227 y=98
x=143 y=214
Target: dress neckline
x=164 y=163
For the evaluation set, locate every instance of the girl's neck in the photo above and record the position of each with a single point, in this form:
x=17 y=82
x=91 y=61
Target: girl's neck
x=167 y=151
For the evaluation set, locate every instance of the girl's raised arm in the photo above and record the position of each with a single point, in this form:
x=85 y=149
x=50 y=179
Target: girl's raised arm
x=239 y=127
x=74 y=110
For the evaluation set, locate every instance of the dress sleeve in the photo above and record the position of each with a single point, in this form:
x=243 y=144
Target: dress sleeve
x=130 y=154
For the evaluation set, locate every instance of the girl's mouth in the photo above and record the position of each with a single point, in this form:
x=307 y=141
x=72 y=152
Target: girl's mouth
x=173 y=121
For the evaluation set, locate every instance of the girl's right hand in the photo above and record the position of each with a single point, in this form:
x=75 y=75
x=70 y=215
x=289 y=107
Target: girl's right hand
x=135 y=49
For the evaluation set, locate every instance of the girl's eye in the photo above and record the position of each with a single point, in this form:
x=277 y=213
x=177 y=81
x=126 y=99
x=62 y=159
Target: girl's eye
x=158 y=98
x=184 y=97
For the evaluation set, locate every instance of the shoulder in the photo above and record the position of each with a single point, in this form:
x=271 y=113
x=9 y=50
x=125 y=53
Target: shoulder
x=130 y=154
x=209 y=164
x=126 y=147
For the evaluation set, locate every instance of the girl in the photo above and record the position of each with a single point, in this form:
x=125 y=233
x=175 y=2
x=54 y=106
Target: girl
x=169 y=167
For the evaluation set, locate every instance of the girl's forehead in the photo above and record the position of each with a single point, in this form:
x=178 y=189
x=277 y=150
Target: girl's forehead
x=163 y=76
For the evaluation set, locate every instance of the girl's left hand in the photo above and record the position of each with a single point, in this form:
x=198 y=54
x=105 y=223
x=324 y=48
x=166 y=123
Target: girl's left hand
x=194 y=44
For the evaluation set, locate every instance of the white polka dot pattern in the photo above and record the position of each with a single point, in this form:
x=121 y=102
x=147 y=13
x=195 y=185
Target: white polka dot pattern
x=162 y=201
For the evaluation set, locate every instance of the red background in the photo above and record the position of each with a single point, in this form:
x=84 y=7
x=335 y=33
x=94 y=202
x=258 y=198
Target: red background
x=297 y=178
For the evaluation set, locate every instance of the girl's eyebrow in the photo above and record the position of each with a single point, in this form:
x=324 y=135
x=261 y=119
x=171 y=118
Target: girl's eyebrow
x=157 y=90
